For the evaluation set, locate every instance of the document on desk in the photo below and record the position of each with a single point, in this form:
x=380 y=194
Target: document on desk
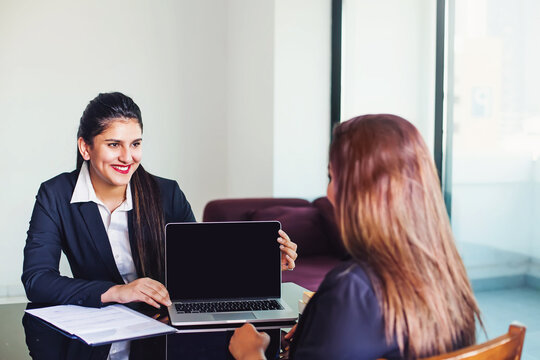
x=97 y=326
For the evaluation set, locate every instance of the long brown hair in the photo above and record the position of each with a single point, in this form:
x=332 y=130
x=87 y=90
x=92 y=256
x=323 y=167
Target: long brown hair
x=392 y=217
x=148 y=218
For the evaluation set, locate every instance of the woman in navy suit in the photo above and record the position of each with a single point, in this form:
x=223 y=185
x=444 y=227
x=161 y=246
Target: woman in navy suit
x=405 y=294
x=108 y=217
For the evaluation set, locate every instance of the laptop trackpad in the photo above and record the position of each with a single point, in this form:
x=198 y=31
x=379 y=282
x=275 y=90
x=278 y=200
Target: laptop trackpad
x=234 y=316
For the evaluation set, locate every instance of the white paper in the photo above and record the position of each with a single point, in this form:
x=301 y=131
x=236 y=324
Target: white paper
x=101 y=325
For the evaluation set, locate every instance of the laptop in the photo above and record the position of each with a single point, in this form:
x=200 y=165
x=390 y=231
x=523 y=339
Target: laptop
x=223 y=274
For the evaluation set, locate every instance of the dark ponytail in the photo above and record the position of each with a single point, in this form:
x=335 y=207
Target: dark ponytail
x=148 y=225
x=148 y=220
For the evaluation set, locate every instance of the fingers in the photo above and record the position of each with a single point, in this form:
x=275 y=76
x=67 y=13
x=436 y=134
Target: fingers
x=290 y=333
x=246 y=328
x=286 y=241
x=146 y=290
x=288 y=251
x=155 y=295
x=284 y=235
x=285 y=263
x=265 y=339
x=248 y=343
x=290 y=263
x=147 y=299
x=157 y=291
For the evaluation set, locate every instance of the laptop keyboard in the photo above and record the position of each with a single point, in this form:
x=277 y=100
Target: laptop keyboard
x=227 y=306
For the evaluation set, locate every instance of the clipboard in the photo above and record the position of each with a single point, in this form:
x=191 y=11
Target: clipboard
x=100 y=326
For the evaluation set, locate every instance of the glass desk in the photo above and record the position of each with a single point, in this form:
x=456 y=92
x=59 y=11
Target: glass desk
x=23 y=335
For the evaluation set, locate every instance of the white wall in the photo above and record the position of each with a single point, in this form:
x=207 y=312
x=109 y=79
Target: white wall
x=250 y=114
x=301 y=97
x=278 y=97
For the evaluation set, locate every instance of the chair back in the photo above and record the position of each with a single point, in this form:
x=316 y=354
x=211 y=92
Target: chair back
x=505 y=347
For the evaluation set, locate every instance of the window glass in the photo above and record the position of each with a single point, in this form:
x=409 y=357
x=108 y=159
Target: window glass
x=388 y=60
x=495 y=111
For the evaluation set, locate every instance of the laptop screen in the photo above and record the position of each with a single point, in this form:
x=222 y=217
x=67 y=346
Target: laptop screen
x=223 y=260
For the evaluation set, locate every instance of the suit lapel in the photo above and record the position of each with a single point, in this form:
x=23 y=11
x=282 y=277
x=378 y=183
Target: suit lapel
x=96 y=229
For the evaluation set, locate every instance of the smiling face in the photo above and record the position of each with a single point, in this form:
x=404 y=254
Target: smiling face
x=114 y=154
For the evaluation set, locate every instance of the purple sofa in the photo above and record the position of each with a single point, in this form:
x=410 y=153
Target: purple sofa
x=311 y=225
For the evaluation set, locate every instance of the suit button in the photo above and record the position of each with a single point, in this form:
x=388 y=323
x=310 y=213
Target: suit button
x=79 y=302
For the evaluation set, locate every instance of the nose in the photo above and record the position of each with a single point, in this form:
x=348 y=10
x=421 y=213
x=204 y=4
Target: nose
x=125 y=155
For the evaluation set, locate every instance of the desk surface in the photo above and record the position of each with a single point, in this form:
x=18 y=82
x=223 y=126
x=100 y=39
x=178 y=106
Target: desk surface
x=50 y=344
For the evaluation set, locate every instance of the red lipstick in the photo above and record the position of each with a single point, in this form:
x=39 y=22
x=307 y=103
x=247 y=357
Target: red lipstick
x=120 y=168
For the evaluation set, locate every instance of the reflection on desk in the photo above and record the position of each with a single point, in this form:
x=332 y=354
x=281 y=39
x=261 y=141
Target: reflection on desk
x=44 y=342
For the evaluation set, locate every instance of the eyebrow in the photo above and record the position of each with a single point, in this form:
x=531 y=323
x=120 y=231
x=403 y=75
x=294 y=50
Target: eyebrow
x=117 y=140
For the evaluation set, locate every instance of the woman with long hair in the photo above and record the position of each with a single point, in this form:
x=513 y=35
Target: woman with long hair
x=405 y=294
x=108 y=217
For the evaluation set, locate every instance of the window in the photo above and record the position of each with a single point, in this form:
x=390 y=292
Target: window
x=493 y=103
x=388 y=60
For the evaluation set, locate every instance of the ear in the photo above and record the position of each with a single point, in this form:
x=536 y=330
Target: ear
x=83 y=148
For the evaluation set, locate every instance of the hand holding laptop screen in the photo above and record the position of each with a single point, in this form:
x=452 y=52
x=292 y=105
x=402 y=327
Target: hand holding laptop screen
x=226 y=272
x=288 y=251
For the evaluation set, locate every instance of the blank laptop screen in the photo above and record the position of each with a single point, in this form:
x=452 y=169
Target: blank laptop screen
x=223 y=260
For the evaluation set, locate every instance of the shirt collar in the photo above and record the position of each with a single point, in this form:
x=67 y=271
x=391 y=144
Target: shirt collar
x=84 y=191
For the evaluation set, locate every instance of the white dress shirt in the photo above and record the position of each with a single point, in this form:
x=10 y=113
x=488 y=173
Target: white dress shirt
x=116 y=225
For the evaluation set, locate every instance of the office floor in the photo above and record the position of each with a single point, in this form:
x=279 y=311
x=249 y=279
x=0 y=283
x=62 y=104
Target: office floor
x=502 y=307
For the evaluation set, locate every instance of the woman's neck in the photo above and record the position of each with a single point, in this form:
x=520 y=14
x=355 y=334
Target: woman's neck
x=111 y=195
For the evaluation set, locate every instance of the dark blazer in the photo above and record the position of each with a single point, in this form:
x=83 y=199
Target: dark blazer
x=343 y=320
x=77 y=230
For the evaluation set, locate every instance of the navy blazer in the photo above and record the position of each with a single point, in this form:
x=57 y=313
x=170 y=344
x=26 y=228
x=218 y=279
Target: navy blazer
x=78 y=230
x=343 y=320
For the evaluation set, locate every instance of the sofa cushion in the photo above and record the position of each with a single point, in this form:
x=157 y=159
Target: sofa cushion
x=302 y=224
x=310 y=271
x=330 y=228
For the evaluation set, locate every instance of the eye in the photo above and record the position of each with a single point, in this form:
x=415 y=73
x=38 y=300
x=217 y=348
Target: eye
x=136 y=144
x=113 y=145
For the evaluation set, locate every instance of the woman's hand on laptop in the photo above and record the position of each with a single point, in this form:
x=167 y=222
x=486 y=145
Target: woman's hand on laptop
x=145 y=290
x=288 y=251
